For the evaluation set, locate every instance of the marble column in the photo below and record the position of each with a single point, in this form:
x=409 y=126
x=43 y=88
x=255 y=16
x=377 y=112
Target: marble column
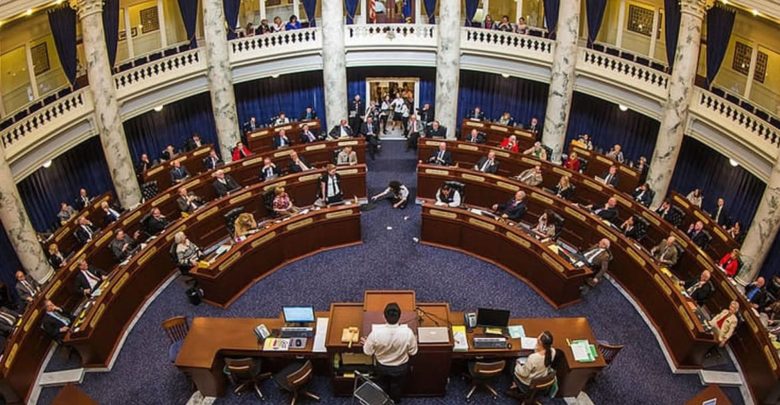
x=18 y=227
x=764 y=228
x=107 y=118
x=556 y=118
x=678 y=100
x=448 y=29
x=334 y=62
x=220 y=77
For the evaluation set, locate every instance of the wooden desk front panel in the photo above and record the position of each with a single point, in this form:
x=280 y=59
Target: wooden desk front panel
x=64 y=237
x=598 y=164
x=721 y=242
x=262 y=140
x=495 y=133
x=192 y=161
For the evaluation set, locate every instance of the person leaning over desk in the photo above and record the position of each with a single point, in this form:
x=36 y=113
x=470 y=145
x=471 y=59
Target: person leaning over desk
x=243 y=225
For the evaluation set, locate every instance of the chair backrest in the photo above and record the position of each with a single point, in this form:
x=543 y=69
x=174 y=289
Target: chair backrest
x=176 y=328
x=301 y=376
x=583 y=164
x=608 y=351
x=489 y=369
x=543 y=383
x=149 y=189
x=676 y=216
x=240 y=368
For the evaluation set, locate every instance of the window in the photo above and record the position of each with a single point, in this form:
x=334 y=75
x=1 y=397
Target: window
x=761 y=63
x=640 y=20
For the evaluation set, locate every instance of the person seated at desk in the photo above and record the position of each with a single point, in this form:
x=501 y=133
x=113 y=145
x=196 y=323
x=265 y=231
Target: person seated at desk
x=123 y=245
x=609 y=211
x=719 y=214
x=564 y=189
x=447 y=196
x=664 y=210
x=629 y=228
x=487 y=164
x=756 y=294
x=475 y=137
x=83 y=200
x=391 y=347
x=701 y=289
x=309 y=114
x=545 y=227
x=436 y=131
x=396 y=192
x=539 y=364
x=476 y=115
x=55 y=257
x=244 y=225
x=87 y=278
x=342 y=130
x=616 y=153
x=8 y=321
x=193 y=142
x=415 y=129
x=598 y=258
x=666 y=252
x=735 y=232
x=187 y=253
x=306 y=135
x=224 y=184
x=510 y=143
x=144 y=164
x=178 y=173
x=724 y=323
x=695 y=197
x=572 y=162
x=281 y=140
x=533 y=127
x=85 y=231
x=370 y=131
x=610 y=178
x=697 y=235
x=536 y=151
x=251 y=125
x=110 y=214
x=26 y=288
x=531 y=176
x=643 y=194
x=269 y=171
x=583 y=141
x=56 y=322
x=441 y=157
x=298 y=164
x=65 y=213
x=506 y=119
x=240 y=151
x=330 y=186
x=281 y=119
x=168 y=153
x=213 y=161
x=155 y=222
x=188 y=202
x=282 y=203
x=347 y=157
x=514 y=209
x=729 y=263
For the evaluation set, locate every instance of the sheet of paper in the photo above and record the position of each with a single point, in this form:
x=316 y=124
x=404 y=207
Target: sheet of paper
x=516 y=331
x=320 y=335
x=528 y=343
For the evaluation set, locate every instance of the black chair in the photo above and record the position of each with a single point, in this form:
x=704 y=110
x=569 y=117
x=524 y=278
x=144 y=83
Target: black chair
x=482 y=374
x=268 y=202
x=558 y=221
x=460 y=188
x=149 y=190
x=230 y=219
x=246 y=373
x=641 y=227
x=294 y=378
x=676 y=216
x=583 y=164
x=549 y=151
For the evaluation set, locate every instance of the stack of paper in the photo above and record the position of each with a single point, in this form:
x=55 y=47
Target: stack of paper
x=459 y=336
x=583 y=351
x=527 y=343
x=516 y=331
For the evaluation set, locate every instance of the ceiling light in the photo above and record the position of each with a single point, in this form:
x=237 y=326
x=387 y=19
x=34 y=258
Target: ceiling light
x=623 y=107
x=29 y=11
x=733 y=162
x=158 y=108
x=505 y=75
x=755 y=12
x=275 y=76
x=58 y=2
x=47 y=164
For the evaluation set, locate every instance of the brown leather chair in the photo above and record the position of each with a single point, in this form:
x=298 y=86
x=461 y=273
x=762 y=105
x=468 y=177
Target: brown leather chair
x=539 y=386
x=176 y=328
x=294 y=378
x=482 y=374
x=608 y=351
x=246 y=374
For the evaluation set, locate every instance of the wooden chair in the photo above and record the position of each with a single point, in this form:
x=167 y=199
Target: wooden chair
x=539 y=386
x=176 y=328
x=294 y=378
x=246 y=374
x=608 y=351
x=482 y=373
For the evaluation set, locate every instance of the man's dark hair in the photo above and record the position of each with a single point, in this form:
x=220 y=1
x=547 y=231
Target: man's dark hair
x=392 y=313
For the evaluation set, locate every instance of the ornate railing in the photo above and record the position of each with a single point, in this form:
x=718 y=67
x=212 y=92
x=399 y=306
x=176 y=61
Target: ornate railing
x=281 y=42
x=390 y=34
x=617 y=70
x=507 y=43
x=731 y=118
x=145 y=77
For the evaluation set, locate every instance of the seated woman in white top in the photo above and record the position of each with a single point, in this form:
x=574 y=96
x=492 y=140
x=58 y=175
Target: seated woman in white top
x=187 y=253
x=538 y=364
x=545 y=227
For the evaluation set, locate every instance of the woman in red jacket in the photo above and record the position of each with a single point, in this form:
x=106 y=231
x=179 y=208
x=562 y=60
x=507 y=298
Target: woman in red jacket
x=573 y=162
x=510 y=144
x=241 y=151
x=730 y=263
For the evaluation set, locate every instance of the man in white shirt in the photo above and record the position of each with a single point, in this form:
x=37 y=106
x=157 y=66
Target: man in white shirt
x=281 y=119
x=391 y=345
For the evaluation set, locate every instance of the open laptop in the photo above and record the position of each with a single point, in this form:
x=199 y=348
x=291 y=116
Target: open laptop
x=433 y=335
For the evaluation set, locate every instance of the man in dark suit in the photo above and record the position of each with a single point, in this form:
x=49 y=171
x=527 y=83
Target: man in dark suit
x=83 y=200
x=598 y=258
x=269 y=170
x=756 y=294
x=188 y=202
x=441 y=157
x=700 y=289
x=415 y=129
x=144 y=164
x=213 y=161
x=514 y=209
x=8 y=321
x=56 y=322
x=87 y=278
x=664 y=210
x=487 y=164
x=697 y=235
x=610 y=178
x=436 y=131
x=475 y=137
x=123 y=245
x=643 y=194
x=155 y=222
x=476 y=114
x=307 y=136
x=224 y=184
x=356 y=110
x=178 y=172
x=85 y=231
x=370 y=132
x=719 y=213
x=298 y=164
x=426 y=114
x=193 y=142
x=534 y=127
x=341 y=131
x=281 y=140
x=609 y=211
x=309 y=114
x=26 y=288
x=110 y=214
x=251 y=125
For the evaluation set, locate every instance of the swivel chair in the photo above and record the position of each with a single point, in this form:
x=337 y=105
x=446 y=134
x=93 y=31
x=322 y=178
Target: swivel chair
x=246 y=374
x=482 y=374
x=539 y=386
x=294 y=378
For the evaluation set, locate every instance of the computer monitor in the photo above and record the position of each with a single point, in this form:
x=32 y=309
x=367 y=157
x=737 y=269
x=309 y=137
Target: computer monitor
x=492 y=318
x=298 y=314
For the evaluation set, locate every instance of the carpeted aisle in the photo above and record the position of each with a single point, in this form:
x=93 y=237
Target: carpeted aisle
x=390 y=259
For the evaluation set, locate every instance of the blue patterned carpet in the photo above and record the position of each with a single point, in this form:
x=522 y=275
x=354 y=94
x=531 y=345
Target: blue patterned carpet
x=390 y=259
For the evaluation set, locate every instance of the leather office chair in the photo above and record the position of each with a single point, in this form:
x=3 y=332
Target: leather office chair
x=460 y=188
x=559 y=222
x=539 y=386
x=548 y=150
x=268 y=202
x=482 y=374
x=641 y=227
x=608 y=351
x=149 y=190
x=583 y=164
x=676 y=216
x=246 y=373
x=294 y=378
x=176 y=329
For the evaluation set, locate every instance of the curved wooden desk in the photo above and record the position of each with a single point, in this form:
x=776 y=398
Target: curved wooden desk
x=262 y=139
x=506 y=246
x=495 y=133
x=721 y=242
x=192 y=161
x=599 y=163
x=64 y=237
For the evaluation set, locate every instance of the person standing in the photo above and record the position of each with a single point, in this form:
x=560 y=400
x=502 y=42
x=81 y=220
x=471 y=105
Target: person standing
x=391 y=346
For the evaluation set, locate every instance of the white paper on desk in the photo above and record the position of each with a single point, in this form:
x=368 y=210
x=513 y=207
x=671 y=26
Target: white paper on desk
x=528 y=343
x=580 y=352
x=320 y=334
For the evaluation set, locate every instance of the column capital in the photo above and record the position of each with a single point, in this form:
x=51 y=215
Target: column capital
x=696 y=8
x=86 y=7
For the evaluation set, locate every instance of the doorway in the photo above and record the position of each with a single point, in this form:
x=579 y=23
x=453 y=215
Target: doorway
x=377 y=88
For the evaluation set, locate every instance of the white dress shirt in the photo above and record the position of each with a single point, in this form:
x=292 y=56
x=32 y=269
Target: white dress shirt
x=391 y=345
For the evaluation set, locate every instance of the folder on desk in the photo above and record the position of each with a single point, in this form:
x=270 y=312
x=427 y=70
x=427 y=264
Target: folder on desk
x=459 y=336
x=583 y=351
x=276 y=345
